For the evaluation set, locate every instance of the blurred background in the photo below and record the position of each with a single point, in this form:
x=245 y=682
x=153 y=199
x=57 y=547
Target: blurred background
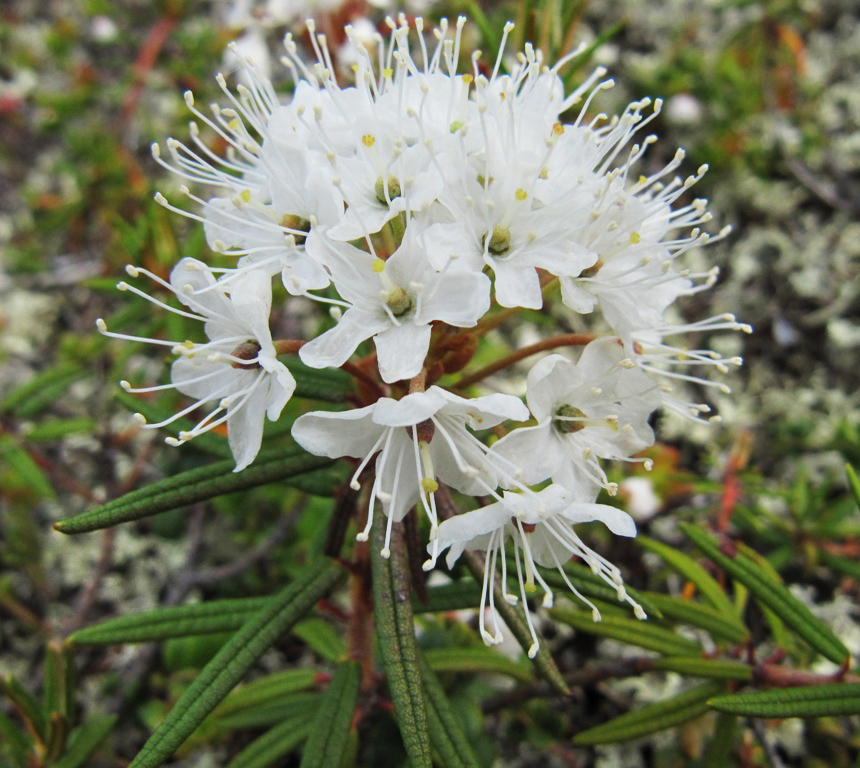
x=765 y=92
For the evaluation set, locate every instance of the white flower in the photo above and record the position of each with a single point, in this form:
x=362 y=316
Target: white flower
x=237 y=368
x=596 y=408
x=394 y=301
x=540 y=527
x=419 y=438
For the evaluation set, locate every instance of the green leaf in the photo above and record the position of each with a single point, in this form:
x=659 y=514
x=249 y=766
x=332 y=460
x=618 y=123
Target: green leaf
x=396 y=631
x=59 y=687
x=329 y=734
x=274 y=744
x=478 y=660
x=266 y=690
x=853 y=482
x=288 y=707
x=456 y=596
x=717 y=669
x=702 y=616
x=172 y=621
x=41 y=390
x=27 y=707
x=322 y=638
x=323 y=482
x=519 y=627
x=85 y=740
x=773 y=595
x=630 y=631
x=719 y=751
x=653 y=717
x=235 y=658
x=195 y=485
x=18 y=471
x=328 y=384
x=54 y=429
x=695 y=574
x=848 y=566
x=830 y=699
x=446 y=735
x=14 y=745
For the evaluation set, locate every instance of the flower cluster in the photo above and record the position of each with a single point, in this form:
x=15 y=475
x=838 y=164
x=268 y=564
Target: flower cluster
x=424 y=207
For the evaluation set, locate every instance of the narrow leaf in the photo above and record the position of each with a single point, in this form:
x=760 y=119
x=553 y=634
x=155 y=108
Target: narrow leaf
x=719 y=751
x=55 y=429
x=396 y=630
x=773 y=595
x=329 y=733
x=854 y=482
x=848 y=566
x=58 y=694
x=85 y=740
x=477 y=660
x=694 y=573
x=195 y=485
x=41 y=390
x=717 y=669
x=274 y=744
x=235 y=658
x=831 y=699
x=322 y=638
x=263 y=715
x=631 y=631
x=14 y=745
x=446 y=736
x=702 y=616
x=512 y=616
x=330 y=384
x=653 y=717
x=172 y=621
x=456 y=596
x=266 y=690
x=27 y=707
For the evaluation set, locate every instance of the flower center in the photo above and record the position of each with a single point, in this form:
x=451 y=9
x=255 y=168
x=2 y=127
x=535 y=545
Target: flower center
x=499 y=242
x=297 y=224
x=568 y=419
x=398 y=301
x=393 y=189
x=247 y=350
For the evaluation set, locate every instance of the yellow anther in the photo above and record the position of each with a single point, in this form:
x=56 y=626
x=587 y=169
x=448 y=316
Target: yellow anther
x=368 y=140
x=388 y=72
x=468 y=79
x=245 y=194
x=378 y=265
x=642 y=179
x=233 y=125
x=635 y=238
x=429 y=484
x=557 y=129
x=521 y=194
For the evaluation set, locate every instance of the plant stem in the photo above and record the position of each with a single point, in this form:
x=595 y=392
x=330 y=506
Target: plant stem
x=565 y=340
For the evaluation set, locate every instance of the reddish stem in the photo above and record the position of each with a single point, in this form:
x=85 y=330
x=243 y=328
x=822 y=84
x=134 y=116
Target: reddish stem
x=565 y=340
